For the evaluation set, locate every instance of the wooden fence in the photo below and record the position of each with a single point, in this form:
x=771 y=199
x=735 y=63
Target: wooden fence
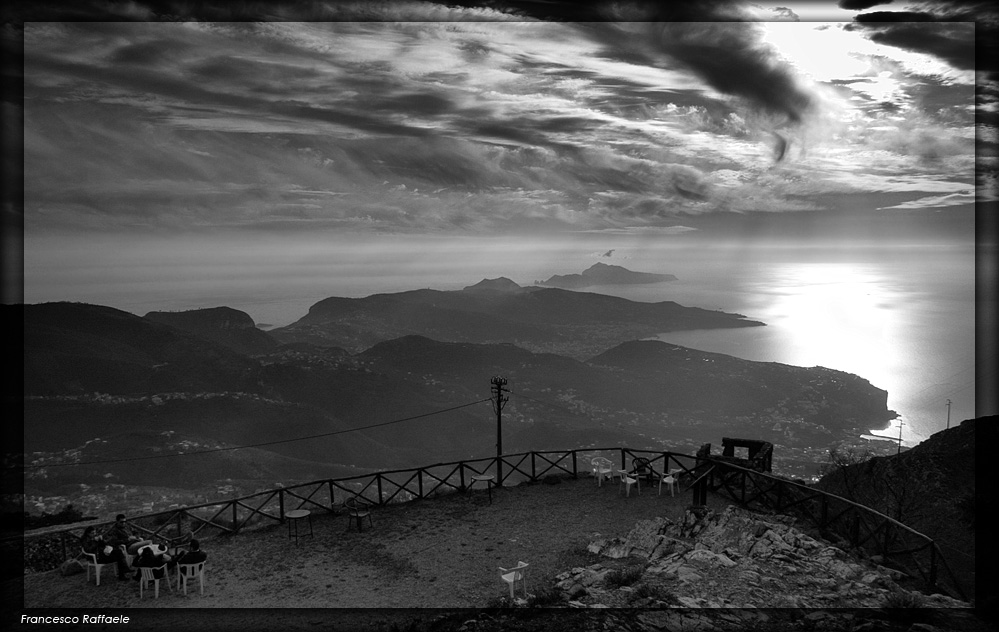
x=862 y=526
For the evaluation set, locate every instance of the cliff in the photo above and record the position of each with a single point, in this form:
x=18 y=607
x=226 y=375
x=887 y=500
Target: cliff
x=226 y=326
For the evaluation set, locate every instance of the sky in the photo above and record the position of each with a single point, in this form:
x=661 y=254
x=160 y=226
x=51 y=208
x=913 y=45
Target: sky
x=168 y=137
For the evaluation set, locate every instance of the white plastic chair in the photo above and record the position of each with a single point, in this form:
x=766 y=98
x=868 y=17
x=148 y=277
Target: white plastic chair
x=670 y=480
x=513 y=575
x=357 y=510
x=190 y=571
x=628 y=481
x=148 y=575
x=602 y=468
x=90 y=559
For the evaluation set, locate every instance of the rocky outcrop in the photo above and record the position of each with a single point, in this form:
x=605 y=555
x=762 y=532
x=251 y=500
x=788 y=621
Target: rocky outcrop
x=733 y=559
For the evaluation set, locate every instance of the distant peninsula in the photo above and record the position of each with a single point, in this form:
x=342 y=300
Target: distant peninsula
x=603 y=274
x=576 y=324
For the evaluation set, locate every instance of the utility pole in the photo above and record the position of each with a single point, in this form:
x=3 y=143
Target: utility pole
x=948 y=414
x=498 y=404
x=900 y=424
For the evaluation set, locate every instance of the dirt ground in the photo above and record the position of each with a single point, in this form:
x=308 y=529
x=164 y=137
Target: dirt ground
x=434 y=553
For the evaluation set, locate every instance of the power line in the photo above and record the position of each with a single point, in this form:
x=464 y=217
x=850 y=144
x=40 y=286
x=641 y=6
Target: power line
x=257 y=445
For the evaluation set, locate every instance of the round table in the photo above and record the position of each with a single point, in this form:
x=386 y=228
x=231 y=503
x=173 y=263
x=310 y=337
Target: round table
x=294 y=516
x=488 y=479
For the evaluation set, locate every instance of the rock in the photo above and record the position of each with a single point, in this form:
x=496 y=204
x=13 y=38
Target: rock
x=687 y=575
x=707 y=557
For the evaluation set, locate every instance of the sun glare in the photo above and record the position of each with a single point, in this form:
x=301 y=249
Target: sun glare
x=838 y=315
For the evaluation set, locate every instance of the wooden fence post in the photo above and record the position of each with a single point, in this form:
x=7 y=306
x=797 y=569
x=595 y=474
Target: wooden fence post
x=235 y=521
x=534 y=469
x=329 y=481
x=378 y=484
x=575 y=470
x=281 y=503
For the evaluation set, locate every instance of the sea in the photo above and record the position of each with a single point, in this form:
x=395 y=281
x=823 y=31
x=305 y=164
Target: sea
x=901 y=316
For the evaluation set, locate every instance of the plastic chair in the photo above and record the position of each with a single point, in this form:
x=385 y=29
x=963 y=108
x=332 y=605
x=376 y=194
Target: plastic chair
x=513 y=575
x=627 y=482
x=148 y=575
x=670 y=480
x=90 y=559
x=642 y=468
x=602 y=468
x=357 y=510
x=190 y=571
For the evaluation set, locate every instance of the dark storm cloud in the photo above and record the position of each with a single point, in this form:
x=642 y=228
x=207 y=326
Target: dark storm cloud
x=941 y=29
x=731 y=56
x=895 y=16
x=860 y=5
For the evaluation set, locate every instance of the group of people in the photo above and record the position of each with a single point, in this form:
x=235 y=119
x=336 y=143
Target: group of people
x=120 y=540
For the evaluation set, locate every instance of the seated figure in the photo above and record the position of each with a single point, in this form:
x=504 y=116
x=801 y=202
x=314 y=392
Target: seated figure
x=105 y=552
x=153 y=556
x=123 y=534
x=193 y=555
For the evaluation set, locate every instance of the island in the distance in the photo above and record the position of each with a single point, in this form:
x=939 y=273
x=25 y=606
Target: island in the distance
x=603 y=274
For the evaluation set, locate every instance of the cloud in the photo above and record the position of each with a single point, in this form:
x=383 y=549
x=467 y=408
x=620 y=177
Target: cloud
x=860 y=5
x=938 y=201
x=964 y=34
x=464 y=127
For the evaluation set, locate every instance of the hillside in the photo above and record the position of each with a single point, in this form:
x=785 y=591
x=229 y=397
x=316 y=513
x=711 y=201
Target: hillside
x=930 y=488
x=603 y=274
x=76 y=348
x=574 y=324
x=229 y=327
x=107 y=385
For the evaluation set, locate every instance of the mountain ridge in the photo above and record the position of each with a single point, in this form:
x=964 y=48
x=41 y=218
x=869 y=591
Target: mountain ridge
x=604 y=274
x=575 y=324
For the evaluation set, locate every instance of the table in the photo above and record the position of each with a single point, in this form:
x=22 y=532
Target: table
x=294 y=516
x=488 y=479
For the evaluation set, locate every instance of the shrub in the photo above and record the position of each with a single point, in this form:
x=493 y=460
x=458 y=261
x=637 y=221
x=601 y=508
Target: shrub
x=624 y=576
x=656 y=593
x=67 y=515
x=546 y=598
x=500 y=602
x=905 y=606
x=577 y=556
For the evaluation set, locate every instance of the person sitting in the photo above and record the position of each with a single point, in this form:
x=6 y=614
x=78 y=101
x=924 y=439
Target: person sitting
x=151 y=556
x=123 y=534
x=104 y=552
x=193 y=555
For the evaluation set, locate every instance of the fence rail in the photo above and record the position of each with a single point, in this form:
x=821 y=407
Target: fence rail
x=861 y=526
